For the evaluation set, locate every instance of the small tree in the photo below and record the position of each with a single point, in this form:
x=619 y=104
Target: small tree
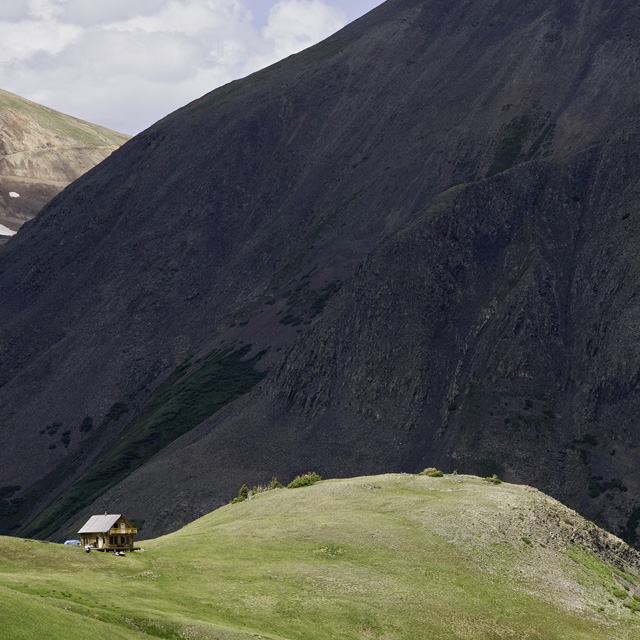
x=243 y=494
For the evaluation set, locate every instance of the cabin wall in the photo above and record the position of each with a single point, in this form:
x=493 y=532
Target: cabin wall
x=119 y=538
x=89 y=539
x=111 y=540
x=117 y=541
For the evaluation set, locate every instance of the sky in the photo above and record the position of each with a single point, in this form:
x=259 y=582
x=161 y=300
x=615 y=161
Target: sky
x=124 y=64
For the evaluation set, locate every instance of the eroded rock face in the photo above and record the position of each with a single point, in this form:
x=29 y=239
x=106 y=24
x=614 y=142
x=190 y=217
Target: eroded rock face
x=41 y=152
x=497 y=333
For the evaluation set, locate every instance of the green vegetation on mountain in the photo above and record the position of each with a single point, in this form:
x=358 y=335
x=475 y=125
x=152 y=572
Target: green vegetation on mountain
x=179 y=404
x=408 y=557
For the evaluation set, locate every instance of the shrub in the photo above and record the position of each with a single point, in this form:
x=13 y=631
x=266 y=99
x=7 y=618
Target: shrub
x=52 y=429
x=116 y=411
x=590 y=439
x=243 y=494
x=494 y=479
x=633 y=605
x=304 y=481
x=246 y=494
x=432 y=472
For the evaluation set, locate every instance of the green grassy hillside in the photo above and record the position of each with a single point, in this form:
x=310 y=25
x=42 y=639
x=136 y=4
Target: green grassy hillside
x=393 y=557
x=61 y=124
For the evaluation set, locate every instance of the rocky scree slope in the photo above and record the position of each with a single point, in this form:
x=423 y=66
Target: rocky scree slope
x=41 y=152
x=311 y=211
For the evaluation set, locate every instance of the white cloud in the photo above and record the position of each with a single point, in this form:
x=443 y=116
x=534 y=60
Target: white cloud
x=20 y=41
x=158 y=57
x=14 y=10
x=126 y=63
x=190 y=17
x=97 y=12
x=295 y=25
x=44 y=9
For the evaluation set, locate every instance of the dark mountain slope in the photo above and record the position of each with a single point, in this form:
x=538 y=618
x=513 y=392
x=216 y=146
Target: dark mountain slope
x=238 y=218
x=505 y=323
x=495 y=333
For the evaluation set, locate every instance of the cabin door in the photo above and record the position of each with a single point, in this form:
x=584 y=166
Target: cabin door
x=100 y=542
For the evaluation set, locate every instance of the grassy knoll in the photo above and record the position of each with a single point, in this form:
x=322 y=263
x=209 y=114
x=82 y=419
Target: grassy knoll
x=393 y=557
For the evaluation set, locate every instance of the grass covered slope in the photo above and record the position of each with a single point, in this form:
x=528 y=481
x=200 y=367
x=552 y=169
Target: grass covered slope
x=394 y=556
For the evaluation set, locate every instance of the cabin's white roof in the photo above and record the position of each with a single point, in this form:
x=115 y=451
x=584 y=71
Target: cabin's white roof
x=100 y=524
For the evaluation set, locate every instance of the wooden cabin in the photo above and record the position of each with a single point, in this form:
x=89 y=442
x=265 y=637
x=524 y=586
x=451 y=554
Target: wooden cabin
x=108 y=533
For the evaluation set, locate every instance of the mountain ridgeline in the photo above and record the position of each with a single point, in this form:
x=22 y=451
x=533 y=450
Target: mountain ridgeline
x=411 y=244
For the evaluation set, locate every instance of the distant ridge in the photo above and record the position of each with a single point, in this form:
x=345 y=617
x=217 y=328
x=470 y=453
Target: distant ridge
x=41 y=152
